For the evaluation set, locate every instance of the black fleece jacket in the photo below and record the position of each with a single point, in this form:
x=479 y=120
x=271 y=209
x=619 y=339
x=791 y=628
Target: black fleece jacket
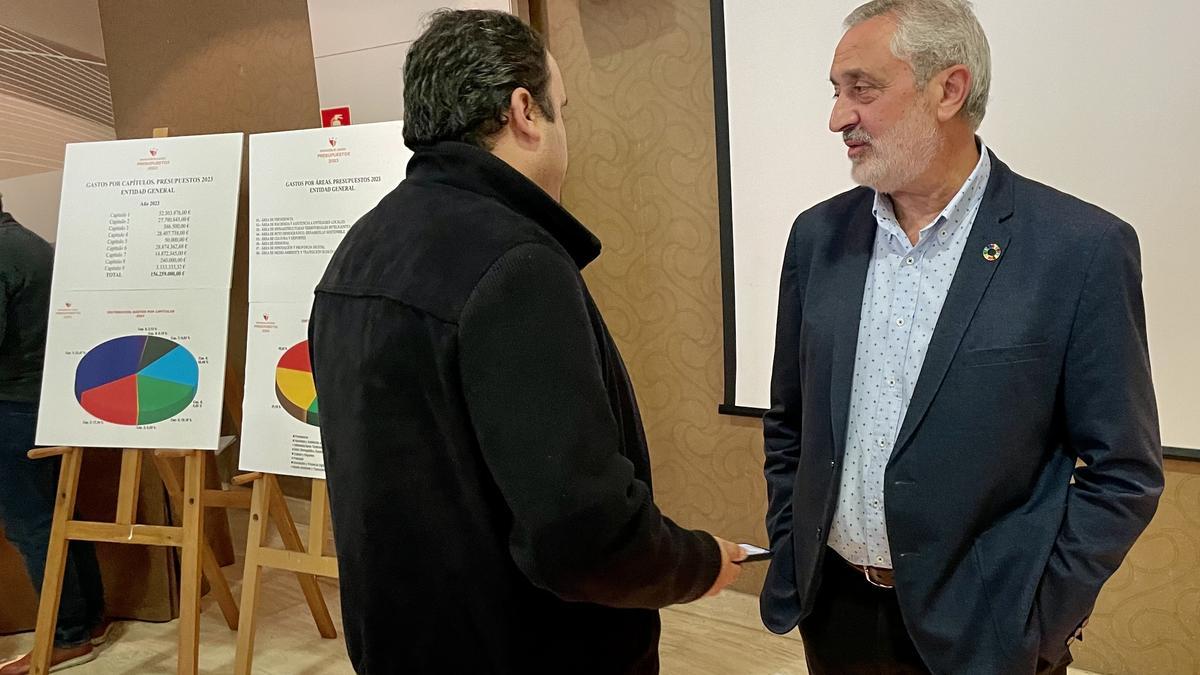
x=488 y=471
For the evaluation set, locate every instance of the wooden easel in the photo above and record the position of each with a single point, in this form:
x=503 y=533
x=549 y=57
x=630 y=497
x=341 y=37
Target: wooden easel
x=196 y=557
x=188 y=496
x=267 y=500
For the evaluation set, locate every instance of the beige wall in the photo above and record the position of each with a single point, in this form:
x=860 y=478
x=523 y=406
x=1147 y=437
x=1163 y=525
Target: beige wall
x=643 y=177
x=73 y=24
x=1148 y=617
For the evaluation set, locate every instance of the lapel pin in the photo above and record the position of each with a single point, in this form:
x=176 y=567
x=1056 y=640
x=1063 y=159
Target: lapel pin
x=991 y=252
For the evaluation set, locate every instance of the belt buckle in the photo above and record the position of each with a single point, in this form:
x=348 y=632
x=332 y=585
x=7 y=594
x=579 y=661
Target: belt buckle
x=870 y=574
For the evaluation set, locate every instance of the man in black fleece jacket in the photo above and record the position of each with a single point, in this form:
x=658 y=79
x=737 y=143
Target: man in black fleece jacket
x=487 y=466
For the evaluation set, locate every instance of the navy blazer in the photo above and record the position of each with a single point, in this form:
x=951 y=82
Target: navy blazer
x=1038 y=363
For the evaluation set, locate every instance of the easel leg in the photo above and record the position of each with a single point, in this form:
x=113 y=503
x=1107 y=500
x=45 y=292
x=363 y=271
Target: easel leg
x=256 y=538
x=56 y=561
x=318 y=516
x=129 y=487
x=291 y=540
x=169 y=472
x=220 y=587
x=190 y=564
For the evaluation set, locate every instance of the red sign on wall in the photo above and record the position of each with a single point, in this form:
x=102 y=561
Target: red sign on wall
x=335 y=117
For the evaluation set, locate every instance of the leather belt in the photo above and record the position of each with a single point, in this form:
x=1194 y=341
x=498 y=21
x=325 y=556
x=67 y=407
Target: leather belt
x=880 y=577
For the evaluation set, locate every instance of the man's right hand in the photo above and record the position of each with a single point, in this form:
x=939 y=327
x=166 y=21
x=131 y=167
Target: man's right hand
x=731 y=554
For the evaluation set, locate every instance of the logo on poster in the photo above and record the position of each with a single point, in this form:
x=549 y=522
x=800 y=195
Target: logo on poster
x=153 y=160
x=333 y=153
x=266 y=325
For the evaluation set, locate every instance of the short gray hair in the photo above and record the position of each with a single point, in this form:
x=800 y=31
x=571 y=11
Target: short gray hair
x=932 y=35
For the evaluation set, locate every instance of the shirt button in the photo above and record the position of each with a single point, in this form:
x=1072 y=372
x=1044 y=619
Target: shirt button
x=891 y=382
x=910 y=260
x=900 y=322
x=943 y=233
x=882 y=443
x=879 y=559
x=875 y=503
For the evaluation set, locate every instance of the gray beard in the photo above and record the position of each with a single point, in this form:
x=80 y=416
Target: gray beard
x=904 y=154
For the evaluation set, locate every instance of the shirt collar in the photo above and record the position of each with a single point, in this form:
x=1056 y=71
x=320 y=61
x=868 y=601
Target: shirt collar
x=968 y=198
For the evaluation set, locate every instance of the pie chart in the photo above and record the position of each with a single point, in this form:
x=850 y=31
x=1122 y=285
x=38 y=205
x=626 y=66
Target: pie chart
x=136 y=379
x=294 y=386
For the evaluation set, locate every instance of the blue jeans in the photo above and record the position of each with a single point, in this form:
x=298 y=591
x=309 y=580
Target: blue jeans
x=27 y=489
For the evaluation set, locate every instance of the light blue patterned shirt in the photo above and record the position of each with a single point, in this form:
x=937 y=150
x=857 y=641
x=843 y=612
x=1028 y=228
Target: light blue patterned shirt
x=902 y=299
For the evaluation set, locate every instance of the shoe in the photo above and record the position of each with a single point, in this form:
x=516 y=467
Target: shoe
x=60 y=659
x=101 y=633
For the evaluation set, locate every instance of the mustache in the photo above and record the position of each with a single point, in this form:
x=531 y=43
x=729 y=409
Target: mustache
x=856 y=136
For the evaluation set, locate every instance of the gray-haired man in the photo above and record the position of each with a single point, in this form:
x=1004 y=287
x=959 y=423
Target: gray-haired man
x=952 y=339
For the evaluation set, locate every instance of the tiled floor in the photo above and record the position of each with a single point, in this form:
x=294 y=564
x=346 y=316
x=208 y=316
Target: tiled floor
x=717 y=636
x=288 y=644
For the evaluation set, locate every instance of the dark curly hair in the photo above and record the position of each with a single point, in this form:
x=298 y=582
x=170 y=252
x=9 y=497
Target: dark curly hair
x=460 y=74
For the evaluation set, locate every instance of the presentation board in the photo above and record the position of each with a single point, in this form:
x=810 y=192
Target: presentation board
x=1074 y=104
x=307 y=188
x=135 y=350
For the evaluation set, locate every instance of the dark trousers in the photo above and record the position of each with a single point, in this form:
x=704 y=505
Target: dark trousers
x=27 y=489
x=856 y=629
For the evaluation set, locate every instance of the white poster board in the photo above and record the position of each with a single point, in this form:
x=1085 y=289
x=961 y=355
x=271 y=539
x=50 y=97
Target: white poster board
x=307 y=188
x=149 y=214
x=135 y=350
